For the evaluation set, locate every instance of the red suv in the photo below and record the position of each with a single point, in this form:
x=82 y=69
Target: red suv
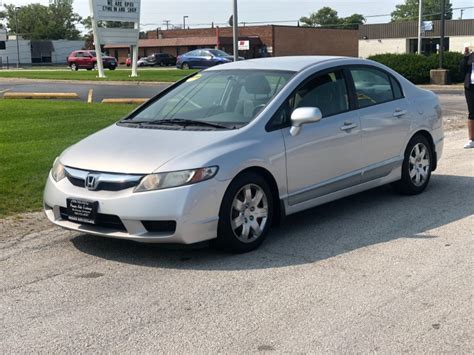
x=87 y=60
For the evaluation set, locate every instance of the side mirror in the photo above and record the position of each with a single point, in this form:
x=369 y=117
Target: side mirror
x=304 y=115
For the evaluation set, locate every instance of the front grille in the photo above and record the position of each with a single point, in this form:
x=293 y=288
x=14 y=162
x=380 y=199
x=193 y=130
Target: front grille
x=104 y=186
x=102 y=220
x=104 y=181
x=160 y=226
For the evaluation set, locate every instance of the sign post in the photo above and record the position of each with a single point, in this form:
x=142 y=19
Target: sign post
x=119 y=11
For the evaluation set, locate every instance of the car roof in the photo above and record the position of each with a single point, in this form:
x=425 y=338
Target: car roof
x=290 y=63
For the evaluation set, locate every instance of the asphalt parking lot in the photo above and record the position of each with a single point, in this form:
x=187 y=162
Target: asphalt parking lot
x=375 y=272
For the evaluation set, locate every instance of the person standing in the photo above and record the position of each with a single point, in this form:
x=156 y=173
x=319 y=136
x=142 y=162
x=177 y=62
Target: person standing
x=467 y=68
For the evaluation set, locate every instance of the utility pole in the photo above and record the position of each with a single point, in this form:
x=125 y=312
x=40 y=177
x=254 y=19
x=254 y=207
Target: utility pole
x=167 y=23
x=441 y=45
x=184 y=22
x=420 y=24
x=235 y=32
x=17 y=37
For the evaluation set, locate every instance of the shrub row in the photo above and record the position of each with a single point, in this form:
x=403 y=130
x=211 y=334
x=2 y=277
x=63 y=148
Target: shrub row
x=416 y=68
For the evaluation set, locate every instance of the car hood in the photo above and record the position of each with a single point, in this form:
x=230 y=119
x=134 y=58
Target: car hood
x=128 y=150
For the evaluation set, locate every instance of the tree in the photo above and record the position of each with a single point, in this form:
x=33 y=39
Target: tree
x=431 y=10
x=353 y=21
x=36 y=21
x=324 y=17
x=328 y=18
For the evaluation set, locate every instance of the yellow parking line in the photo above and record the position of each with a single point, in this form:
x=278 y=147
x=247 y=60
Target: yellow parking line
x=40 y=95
x=89 y=96
x=124 y=101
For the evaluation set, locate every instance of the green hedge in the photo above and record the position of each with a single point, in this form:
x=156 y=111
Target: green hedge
x=416 y=68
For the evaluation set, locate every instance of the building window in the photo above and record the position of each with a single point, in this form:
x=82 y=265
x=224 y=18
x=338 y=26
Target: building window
x=428 y=45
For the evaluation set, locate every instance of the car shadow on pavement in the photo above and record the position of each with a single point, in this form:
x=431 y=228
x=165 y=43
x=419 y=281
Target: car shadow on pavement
x=366 y=219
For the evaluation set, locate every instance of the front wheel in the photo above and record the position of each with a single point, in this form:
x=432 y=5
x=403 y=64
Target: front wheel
x=245 y=215
x=74 y=67
x=185 y=66
x=112 y=68
x=416 y=168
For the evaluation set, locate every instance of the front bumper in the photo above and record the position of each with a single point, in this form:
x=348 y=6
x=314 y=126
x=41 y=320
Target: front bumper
x=194 y=208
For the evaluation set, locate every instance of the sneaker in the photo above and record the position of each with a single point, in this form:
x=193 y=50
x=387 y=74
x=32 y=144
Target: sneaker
x=469 y=144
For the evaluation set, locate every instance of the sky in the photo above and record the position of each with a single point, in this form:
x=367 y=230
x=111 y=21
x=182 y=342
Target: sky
x=154 y=12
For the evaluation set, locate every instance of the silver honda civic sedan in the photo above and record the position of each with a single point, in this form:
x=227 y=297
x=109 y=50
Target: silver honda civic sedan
x=228 y=152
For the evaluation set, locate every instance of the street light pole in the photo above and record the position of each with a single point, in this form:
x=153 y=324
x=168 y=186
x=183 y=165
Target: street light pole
x=184 y=22
x=17 y=39
x=441 y=44
x=420 y=24
x=235 y=33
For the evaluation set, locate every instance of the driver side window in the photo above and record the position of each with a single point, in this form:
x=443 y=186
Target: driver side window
x=328 y=92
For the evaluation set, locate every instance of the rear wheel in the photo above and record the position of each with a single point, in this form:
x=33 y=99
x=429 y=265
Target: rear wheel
x=245 y=215
x=112 y=68
x=416 y=168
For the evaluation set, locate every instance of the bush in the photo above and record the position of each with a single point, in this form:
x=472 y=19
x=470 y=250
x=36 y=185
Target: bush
x=416 y=68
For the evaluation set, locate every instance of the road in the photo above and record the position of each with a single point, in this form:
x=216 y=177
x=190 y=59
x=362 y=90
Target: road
x=100 y=91
x=452 y=98
x=375 y=272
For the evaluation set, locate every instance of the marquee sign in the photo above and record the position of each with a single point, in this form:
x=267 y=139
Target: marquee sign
x=118 y=36
x=117 y=10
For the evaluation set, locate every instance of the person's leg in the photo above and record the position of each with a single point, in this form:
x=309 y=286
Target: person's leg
x=470 y=119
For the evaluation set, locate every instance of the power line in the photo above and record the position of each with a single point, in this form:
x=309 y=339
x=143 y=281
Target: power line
x=294 y=20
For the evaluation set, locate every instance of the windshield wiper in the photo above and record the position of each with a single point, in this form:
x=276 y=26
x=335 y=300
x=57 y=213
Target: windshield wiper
x=181 y=122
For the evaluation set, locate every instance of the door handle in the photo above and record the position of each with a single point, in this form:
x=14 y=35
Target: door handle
x=399 y=112
x=348 y=126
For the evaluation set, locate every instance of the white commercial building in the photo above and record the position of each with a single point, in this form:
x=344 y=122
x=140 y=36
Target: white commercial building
x=402 y=37
x=36 y=51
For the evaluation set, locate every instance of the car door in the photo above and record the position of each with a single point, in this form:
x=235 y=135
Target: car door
x=79 y=59
x=195 y=59
x=325 y=156
x=385 y=119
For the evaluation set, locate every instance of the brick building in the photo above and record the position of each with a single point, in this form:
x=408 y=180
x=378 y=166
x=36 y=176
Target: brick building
x=267 y=40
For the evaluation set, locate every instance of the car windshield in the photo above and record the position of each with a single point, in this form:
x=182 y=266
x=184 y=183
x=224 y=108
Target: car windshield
x=218 y=53
x=229 y=98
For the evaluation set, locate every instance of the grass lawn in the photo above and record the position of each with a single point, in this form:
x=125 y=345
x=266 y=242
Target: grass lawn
x=161 y=75
x=32 y=134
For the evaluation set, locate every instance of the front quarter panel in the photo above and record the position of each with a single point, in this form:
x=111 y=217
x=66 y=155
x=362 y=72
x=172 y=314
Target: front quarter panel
x=244 y=150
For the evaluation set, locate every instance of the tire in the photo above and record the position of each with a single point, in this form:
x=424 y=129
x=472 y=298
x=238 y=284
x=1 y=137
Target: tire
x=417 y=167
x=244 y=222
x=95 y=66
x=185 y=66
x=74 y=67
x=112 y=68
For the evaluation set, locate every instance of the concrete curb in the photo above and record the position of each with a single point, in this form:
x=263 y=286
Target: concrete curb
x=40 y=95
x=86 y=82
x=124 y=101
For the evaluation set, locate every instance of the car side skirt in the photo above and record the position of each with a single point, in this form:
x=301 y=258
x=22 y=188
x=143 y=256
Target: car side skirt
x=372 y=178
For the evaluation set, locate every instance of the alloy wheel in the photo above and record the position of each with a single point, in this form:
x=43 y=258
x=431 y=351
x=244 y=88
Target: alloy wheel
x=249 y=213
x=419 y=164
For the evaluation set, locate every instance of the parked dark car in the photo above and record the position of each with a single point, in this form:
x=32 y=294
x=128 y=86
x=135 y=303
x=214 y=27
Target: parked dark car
x=203 y=58
x=87 y=60
x=158 y=59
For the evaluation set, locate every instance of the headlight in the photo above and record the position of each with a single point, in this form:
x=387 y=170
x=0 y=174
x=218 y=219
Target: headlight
x=176 y=178
x=57 y=172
